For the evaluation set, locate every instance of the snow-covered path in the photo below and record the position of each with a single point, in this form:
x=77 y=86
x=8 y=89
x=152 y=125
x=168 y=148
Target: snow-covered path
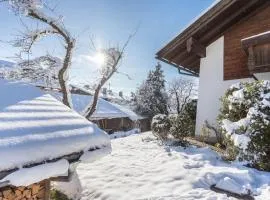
x=139 y=168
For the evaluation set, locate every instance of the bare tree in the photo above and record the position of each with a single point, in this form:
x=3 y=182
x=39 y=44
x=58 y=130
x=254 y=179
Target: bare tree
x=181 y=92
x=55 y=26
x=113 y=57
x=40 y=70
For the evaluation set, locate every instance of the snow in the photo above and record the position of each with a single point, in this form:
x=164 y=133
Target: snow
x=231 y=185
x=72 y=188
x=26 y=5
x=38 y=173
x=5 y=63
x=119 y=134
x=105 y=109
x=240 y=140
x=258 y=35
x=110 y=95
x=239 y=94
x=30 y=120
x=91 y=156
x=140 y=168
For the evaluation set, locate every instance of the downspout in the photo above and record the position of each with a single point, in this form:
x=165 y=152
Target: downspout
x=254 y=77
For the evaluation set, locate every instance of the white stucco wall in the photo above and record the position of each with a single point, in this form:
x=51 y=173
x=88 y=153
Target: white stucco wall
x=211 y=84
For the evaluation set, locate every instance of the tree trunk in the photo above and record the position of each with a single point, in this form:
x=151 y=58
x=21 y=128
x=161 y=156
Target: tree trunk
x=178 y=103
x=62 y=76
x=70 y=42
x=90 y=111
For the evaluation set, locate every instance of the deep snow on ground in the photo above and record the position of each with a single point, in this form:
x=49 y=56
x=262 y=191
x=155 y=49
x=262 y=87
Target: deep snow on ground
x=140 y=168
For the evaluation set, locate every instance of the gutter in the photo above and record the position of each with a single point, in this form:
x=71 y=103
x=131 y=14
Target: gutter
x=187 y=71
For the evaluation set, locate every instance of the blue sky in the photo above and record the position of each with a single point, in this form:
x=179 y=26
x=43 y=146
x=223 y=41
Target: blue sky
x=110 y=22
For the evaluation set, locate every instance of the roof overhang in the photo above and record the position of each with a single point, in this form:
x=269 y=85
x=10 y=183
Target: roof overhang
x=71 y=158
x=186 y=49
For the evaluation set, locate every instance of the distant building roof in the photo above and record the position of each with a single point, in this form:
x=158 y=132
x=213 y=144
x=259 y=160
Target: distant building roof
x=105 y=109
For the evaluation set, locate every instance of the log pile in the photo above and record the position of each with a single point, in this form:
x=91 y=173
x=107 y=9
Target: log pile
x=37 y=191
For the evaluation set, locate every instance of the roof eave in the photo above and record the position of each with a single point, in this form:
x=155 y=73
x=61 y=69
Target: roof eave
x=206 y=29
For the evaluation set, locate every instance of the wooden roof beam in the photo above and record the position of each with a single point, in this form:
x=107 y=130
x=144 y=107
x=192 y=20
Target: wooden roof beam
x=225 y=23
x=195 y=64
x=189 y=60
x=194 y=46
x=182 y=55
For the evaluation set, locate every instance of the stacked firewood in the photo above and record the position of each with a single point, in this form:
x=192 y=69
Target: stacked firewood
x=37 y=191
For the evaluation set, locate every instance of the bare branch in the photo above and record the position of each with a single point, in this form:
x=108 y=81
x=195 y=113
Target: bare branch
x=31 y=9
x=113 y=58
x=28 y=38
x=181 y=92
x=125 y=74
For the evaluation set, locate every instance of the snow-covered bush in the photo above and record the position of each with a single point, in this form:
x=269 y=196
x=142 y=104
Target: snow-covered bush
x=245 y=122
x=161 y=126
x=183 y=124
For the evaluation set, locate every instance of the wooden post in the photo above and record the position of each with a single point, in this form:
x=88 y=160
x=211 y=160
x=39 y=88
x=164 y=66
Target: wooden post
x=194 y=46
x=251 y=59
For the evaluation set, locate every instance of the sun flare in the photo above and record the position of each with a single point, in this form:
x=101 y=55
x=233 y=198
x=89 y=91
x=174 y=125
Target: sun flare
x=99 y=58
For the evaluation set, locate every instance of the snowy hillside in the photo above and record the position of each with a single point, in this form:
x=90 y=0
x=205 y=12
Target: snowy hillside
x=110 y=95
x=5 y=65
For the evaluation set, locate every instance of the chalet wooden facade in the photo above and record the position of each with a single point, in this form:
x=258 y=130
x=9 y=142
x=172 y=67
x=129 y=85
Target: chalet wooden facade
x=228 y=43
x=123 y=124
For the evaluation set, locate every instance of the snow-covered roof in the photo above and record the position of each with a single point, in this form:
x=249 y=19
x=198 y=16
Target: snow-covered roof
x=35 y=127
x=108 y=110
x=105 y=109
x=6 y=63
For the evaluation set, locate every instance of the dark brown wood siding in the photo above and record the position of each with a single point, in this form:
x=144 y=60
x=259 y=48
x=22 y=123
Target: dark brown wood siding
x=235 y=59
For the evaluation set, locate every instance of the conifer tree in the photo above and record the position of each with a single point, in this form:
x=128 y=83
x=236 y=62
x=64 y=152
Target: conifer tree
x=151 y=96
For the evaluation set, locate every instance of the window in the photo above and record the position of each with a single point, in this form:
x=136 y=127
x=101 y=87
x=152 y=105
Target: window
x=257 y=49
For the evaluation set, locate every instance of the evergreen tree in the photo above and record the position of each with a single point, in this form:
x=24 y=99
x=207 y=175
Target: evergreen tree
x=151 y=96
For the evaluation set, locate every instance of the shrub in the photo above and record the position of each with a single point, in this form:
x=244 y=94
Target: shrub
x=183 y=125
x=161 y=126
x=57 y=195
x=245 y=122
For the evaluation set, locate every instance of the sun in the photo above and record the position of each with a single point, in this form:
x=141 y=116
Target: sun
x=99 y=58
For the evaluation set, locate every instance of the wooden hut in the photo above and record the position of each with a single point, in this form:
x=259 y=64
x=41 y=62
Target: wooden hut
x=39 y=138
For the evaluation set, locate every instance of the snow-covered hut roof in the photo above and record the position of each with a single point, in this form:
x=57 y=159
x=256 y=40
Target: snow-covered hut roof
x=36 y=128
x=108 y=110
x=105 y=109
